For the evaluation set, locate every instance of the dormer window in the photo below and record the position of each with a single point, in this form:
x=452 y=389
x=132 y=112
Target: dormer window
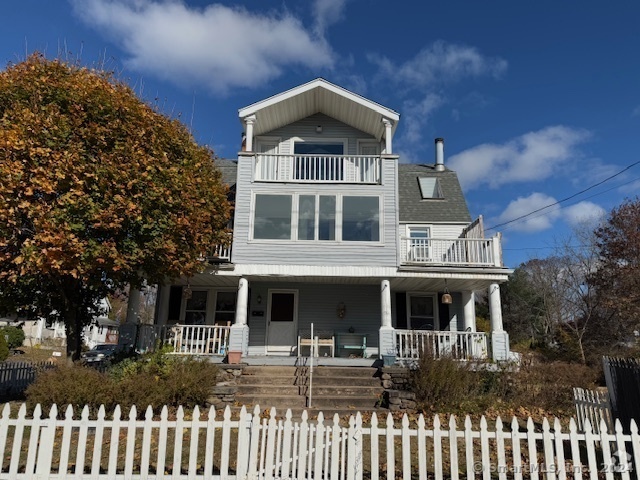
x=430 y=187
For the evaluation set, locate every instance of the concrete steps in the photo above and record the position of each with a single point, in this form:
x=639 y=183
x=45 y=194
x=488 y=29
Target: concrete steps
x=342 y=390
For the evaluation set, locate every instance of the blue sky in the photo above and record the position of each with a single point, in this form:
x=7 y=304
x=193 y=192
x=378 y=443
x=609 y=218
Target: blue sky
x=536 y=100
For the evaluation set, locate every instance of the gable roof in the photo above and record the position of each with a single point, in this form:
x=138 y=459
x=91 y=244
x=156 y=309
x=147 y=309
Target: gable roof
x=452 y=207
x=322 y=96
x=228 y=169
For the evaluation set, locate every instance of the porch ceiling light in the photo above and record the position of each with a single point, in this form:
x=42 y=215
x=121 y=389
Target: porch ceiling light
x=341 y=310
x=447 y=299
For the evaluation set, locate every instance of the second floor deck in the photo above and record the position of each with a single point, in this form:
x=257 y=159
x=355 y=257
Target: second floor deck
x=362 y=169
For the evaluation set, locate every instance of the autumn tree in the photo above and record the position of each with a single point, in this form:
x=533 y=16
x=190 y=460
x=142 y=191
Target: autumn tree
x=617 y=277
x=99 y=190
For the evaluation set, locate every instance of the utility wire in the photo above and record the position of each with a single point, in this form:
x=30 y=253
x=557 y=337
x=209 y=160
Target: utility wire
x=564 y=199
x=585 y=198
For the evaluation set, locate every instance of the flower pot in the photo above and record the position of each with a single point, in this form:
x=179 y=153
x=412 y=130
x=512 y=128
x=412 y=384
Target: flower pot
x=234 y=357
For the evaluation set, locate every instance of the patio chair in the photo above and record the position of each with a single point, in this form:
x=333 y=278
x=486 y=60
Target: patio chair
x=323 y=338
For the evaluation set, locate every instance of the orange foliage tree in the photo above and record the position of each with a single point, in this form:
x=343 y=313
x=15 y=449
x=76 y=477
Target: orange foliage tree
x=97 y=190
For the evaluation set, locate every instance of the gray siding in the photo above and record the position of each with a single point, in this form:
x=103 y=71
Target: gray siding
x=317 y=304
x=294 y=252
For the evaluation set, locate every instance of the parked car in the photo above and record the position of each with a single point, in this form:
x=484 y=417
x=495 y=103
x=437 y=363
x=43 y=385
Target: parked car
x=100 y=353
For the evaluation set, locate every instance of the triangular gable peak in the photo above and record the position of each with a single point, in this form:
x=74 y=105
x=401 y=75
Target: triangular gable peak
x=319 y=96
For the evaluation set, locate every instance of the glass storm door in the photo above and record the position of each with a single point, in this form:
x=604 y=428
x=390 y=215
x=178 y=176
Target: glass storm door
x=282 y=320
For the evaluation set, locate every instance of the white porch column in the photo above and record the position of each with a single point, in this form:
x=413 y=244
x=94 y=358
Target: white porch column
x=241 y=302
x=387 y=345
x=239 y=334
x=249 y=121
x=133 y=305
x=469 y=302
x=162 y=305
x=495 y=307
x=388 y=124
x=499 y=338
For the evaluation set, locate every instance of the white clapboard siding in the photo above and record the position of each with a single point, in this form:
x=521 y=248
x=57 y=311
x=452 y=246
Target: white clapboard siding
x=210 y=446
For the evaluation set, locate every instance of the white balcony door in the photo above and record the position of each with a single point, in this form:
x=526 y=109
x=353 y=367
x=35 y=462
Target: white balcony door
x=418 y=248
x=267 y=161
x=282 y=320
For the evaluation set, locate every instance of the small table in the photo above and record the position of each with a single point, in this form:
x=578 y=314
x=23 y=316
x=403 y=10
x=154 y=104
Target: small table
x=352 y=341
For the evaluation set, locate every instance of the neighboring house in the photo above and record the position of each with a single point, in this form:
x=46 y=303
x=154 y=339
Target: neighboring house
x=101 y=330
x=331 y=228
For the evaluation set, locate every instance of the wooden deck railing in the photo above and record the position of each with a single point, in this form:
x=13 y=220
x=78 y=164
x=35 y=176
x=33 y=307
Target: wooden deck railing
x=451 y=251
x=317 y=168
x=412 y=344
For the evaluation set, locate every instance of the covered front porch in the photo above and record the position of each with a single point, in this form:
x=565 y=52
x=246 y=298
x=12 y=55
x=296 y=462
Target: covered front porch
x=403 y=316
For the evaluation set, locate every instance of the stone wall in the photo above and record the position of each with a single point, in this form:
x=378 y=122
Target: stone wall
x=395 y=381
x=224 y=392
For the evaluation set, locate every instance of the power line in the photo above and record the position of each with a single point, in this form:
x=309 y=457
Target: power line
x=586 y=198
x=564 y=199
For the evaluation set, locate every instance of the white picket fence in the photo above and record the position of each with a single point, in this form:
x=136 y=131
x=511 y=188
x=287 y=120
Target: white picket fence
x=255 y=447
x=594 y=406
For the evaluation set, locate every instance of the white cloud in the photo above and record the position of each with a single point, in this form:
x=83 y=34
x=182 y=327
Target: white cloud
x=631 y=188
x=533 y=156
x=441 y=62
x=583 y=213
x=524 y=205
x=575 y=215
x=416 y=114
x=326 y=13
x=218 y=47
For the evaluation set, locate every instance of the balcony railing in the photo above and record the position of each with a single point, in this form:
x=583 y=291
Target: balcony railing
x=452 y=251
x=185 y=339
x=317 y=168
x=220 y=253
x=413 y=344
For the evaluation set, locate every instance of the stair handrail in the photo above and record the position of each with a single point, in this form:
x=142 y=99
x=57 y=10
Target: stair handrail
x=314 y=346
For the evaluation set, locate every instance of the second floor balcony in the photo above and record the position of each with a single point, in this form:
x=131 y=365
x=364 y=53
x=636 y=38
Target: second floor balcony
x=314 y=168
x=476 y=252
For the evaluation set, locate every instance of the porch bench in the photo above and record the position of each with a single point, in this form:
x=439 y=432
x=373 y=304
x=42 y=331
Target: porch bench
x=352 y=341
x=323 y=338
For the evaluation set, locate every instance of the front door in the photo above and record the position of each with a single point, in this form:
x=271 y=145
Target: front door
x=282 y=320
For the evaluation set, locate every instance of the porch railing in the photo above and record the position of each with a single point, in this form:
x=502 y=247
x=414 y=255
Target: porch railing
x=451 y=251
x=186 y=339
x=317 y=168
x=412 y=344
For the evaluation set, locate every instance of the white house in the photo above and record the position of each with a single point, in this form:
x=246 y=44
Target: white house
x=331 y=228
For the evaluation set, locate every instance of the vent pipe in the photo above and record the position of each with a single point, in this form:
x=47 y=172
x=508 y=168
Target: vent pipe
x=439 y=154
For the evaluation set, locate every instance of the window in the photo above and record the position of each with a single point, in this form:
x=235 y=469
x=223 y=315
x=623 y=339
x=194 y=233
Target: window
x=422 y=312
x=324 y=210
x=225 y=308
x=317 y=217
x=360 y=219
x=307 y=217
x=429 y=187
x=195 y=312
x=327 y=218
x=272 y=219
